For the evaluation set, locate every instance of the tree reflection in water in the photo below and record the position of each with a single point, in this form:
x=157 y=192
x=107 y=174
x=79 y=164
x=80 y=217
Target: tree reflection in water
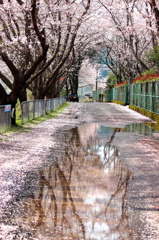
x=82 y=195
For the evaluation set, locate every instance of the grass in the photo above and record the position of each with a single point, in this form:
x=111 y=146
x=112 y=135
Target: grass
x=14 y=129
x=88 y=100
x=27 y=126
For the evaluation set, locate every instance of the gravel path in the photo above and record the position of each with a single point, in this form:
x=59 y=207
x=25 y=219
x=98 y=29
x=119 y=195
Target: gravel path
x=25 y=152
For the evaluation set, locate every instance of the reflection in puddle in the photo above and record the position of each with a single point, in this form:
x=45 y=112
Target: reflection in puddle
x=143 y=128
x=82 y=195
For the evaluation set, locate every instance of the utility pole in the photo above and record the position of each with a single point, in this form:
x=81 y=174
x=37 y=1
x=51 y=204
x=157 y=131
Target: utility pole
x=97 y=78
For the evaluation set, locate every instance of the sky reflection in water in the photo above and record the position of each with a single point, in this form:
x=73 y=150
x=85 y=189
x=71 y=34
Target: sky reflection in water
x=82 y=195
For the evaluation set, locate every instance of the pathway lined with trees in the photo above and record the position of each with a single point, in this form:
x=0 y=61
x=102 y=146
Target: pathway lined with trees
x=43 y=44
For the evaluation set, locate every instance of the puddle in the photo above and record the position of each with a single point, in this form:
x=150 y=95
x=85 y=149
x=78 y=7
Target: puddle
x=147 y=129
x=83 y=194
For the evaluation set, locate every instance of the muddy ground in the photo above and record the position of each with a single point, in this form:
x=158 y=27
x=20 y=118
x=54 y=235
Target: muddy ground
x=24 y=154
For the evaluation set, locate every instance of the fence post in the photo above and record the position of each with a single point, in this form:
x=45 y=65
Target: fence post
x=151 y=96
x=22 y=112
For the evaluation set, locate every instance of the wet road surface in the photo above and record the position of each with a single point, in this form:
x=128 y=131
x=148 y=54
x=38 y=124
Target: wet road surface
x=101 y=181
x=82 y=196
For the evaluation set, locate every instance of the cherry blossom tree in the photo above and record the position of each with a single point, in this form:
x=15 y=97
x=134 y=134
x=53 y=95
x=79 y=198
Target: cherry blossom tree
x=154 y=4
x=130 y=33
x=36 y=41
x=43 y=41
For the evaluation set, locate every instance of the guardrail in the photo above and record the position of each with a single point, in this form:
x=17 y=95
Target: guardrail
x=5 y=117
x=37 y=108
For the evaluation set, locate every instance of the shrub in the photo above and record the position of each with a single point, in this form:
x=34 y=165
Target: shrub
x=147 y=78
x=121 y=84
x=111 y=81
x=153 y=57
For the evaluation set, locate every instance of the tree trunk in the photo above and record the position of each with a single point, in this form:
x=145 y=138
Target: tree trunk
x=3 y=95
x=156 y=13
x=23 y=96
x=14 y=98
x=13 y=114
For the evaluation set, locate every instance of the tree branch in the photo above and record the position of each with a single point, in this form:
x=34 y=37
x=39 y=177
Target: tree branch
x=9 y=63
x=39 y=34
x=6 y=80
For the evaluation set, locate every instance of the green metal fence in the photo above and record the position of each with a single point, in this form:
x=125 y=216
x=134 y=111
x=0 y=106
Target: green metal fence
x=120 y=94
x=145 y=96
x=142 y=95
x=109 y=95
x=96 y=95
